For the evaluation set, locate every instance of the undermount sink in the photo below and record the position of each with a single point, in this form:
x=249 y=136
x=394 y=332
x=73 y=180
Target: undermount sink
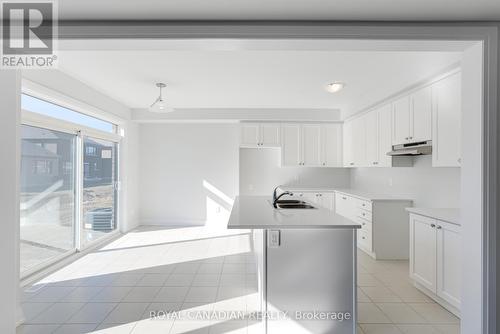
x=293 y=204
x=290 y=201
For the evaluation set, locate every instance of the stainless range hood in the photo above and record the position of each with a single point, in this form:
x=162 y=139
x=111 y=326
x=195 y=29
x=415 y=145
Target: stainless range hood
x=418 y=148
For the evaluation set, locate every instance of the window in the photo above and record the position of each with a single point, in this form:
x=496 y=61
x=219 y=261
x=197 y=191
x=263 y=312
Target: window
x=91 y=150
x=38 y=106
x=99 y=191
x=51 y=225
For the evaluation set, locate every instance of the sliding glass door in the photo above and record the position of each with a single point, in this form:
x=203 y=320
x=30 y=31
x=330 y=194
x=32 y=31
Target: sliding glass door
x=99 y=188
x=69 y=174
x=47 y=196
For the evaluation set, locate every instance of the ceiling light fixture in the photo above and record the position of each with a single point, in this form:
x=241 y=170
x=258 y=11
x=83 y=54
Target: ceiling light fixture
x=159 y=106
x=334 y=87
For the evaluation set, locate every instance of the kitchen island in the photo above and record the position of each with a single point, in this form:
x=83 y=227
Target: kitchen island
x=306 y=265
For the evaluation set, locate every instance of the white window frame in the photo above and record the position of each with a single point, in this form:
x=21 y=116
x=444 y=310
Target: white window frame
x=50 y=123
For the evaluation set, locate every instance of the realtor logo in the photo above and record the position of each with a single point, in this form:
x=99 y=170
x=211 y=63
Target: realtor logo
x=28 y=34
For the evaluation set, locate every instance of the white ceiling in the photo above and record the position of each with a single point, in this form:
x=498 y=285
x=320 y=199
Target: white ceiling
x=437 y=10
x=253 y=79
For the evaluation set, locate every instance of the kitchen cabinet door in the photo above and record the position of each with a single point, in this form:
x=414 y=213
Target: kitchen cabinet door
x=328 y=200
x=423 y=251
x=291 y=145
x=384 y=136
x=401 y=120
x=347 y=145
x=270 y=134
x=359 y=142
x=250 y=134
x=332 y=145
x=421 y=115
x=446 y=138
x=344 y=205
x=311 y=145
x=449 y=263
x=372 y=138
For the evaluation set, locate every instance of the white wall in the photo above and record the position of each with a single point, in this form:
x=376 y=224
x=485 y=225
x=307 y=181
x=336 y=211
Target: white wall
x=9 y=199
x=427 y=186
x=260 y=172
x=188 y=172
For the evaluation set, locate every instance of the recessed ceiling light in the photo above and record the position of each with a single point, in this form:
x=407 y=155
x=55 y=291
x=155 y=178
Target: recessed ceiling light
x=334 y=87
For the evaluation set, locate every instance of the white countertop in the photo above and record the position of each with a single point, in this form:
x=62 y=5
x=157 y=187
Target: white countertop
x=450 y=215
x=257 y=212
x=355 y=193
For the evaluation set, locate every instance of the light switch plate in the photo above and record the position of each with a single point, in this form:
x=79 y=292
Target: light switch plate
x=274 y=238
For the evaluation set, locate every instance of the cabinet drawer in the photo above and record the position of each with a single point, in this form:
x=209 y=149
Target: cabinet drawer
x=365 y=240
x=365 y=224
x=362 y=204
x=364 y=214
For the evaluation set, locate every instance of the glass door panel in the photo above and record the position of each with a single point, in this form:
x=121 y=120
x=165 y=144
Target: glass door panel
x=47 y=196
x=99 y=190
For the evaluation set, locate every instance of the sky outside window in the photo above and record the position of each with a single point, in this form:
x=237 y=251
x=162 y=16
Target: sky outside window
x=38 y=106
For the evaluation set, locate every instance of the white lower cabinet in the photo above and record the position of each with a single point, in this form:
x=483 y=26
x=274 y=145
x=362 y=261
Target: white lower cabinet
x=435 y=261
x=383 y=234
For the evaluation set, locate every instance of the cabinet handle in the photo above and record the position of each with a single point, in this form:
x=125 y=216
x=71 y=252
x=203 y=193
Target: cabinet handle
x=363 y=224
x=363 y=238
x=351 y=163
x=375 y=163
x=411 y=137
x=363 y=214
x=344 y=198
x=433 y=225
x=407 y=138
x=459 y=160
x=363 y=204
x=324 y=163
x=439 y=227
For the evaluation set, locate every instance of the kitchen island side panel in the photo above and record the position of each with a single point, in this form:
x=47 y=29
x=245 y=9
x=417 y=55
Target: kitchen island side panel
x=312 y=270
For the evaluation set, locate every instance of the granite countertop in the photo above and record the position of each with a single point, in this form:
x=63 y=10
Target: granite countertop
x=257 y=212
x=450 y=215
x=352 y=192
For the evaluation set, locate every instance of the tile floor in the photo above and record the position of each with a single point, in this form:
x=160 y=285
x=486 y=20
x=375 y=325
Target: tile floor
x=191 y=270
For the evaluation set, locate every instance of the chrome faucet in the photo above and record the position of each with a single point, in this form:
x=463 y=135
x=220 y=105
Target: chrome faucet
x=276 y=198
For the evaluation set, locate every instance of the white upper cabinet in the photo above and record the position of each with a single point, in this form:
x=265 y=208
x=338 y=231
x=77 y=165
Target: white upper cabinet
x=347 y=145
x=260 y=134
x=412 y=117
x=401 y=121
x=311 y=150
x=270 y=134
x=250 y=135
x=291 y=145
x=359 y=141
x=384 y=136
x=372 y=138
x=446 y=144
x=331 y=138
x=421 y=115
x=313 y=145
